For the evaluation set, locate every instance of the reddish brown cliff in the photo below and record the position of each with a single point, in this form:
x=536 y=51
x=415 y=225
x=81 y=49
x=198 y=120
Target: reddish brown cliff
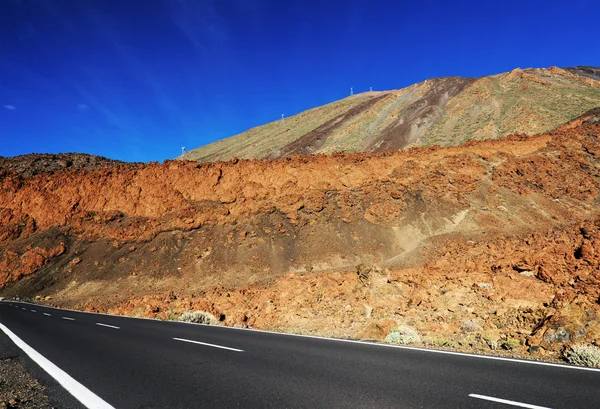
x=483 y=244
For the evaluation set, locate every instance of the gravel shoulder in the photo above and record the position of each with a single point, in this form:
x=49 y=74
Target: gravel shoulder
x=19 y=389
x=23 y=384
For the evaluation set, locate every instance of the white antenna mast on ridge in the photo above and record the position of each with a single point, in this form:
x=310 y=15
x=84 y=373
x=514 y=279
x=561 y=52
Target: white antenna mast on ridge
x=370 y=89
x=282 y=120
x=351 y=90
x=182 y=150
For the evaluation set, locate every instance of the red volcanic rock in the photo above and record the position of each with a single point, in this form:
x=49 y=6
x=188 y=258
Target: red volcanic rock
x=503 y=233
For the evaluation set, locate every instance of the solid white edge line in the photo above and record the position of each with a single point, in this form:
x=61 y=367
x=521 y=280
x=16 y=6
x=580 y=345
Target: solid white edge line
x=507 y=402
x=106 y=325
x=208 y=345
x=80 y=392
x=433 y=351
x=68 y=318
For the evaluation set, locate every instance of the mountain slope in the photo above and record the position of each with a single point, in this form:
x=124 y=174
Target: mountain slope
x=443 y=111
x=492 y=244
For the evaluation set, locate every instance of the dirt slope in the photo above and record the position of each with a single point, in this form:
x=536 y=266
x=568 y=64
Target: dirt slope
x=494 y=244
x=440 y=111
x=29 y=165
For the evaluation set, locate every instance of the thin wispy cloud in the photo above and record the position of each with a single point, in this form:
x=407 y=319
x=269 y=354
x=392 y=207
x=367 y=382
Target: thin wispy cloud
x=10 y=107
x=82 y=107
x=103 y=25
x=115 y=118
x=200 y=23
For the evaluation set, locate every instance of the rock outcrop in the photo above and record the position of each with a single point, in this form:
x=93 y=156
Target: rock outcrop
x=491 y=245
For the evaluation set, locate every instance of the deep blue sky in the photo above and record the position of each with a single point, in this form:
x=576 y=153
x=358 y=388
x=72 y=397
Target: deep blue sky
x=137 y=79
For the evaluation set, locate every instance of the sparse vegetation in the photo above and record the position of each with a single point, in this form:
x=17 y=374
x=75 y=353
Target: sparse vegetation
x=492 y=107
x=199 y=317
x=171 y=315
x=443 y=342
x=490 y=340
x=403 y=334
x=511 y=343
x=584 y=355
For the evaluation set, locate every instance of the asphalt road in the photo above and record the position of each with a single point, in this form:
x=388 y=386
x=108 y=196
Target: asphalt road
x=136 y=363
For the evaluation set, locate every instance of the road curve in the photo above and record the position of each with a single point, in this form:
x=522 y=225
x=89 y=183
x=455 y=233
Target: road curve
x=138 y=363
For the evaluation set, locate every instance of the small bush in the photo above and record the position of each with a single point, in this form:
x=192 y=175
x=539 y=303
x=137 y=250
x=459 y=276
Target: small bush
x=510 y=344
x=171 y=316
x=403 y=334
x=584 y=355
x=200 y=317
x=490 y=340
x=443 y=342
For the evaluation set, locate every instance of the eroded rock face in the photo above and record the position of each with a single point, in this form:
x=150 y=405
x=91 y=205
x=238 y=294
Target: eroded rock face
x=488 y=244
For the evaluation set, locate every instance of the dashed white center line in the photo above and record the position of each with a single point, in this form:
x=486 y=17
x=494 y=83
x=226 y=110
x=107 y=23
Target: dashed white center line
x=68 y=318
x=208 y=345
x=47 y=315
x=108 y=326
x=24 y=309
x=33 y=311
x=507 y=402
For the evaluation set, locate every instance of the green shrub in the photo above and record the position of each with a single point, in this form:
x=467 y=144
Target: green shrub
x=403 y=334
x=584 y=355
x=511 y=343
x=200 y=317
x=443 y=342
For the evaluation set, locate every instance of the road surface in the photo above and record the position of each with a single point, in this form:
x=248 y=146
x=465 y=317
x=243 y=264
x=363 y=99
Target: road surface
x=138 y=363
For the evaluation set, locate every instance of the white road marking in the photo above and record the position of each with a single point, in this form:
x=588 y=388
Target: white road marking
x=24 y=309
x=68 y=318
x=33 y=311
x=80 y=392
x=352 y=341
x=507 y=402
x=208 y=345
x=108 y=326
x=432 y=351
x=47 y=315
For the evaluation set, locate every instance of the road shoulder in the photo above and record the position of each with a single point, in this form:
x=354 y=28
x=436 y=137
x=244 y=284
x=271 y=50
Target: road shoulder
x=23 y=384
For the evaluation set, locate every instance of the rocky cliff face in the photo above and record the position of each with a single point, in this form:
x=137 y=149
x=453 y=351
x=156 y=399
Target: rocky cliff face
x=440 y=111
x=488 y=244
